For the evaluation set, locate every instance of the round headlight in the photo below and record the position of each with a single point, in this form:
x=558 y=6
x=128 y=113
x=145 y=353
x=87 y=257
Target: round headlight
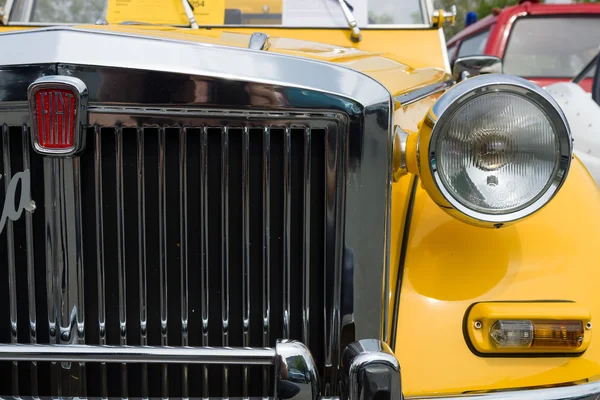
x=499 y=148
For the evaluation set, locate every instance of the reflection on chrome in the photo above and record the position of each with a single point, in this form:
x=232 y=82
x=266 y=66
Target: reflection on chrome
x=370 y=371
x=297 y=375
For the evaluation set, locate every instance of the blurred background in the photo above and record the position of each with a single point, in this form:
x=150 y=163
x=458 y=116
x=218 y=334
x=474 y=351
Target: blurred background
x=483 y=8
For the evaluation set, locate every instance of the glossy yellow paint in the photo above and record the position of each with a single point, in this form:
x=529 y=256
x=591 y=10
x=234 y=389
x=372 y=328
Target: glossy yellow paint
x=408 y=118
x=450 y=265
x=393 y=57
x=488 y=313
x=553 y=255
x=400 y=194
x=12 y=28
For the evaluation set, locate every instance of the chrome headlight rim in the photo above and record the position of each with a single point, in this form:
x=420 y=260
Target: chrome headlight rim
x=446 y=106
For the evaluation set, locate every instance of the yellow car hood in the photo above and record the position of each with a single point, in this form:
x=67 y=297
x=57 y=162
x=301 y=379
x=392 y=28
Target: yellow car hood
x=401 y=60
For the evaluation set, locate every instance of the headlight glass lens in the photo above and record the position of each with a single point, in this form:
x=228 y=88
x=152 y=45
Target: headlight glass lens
x=497 y=153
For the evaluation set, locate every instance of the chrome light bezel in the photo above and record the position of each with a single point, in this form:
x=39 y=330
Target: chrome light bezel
x=80 y=117
x=459 y=95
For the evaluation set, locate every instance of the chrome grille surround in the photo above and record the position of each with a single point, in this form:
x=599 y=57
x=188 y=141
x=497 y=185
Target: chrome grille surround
x=284 y=92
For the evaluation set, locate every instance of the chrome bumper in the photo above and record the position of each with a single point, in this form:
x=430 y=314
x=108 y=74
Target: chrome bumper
x=582 y=391
x=369 y=369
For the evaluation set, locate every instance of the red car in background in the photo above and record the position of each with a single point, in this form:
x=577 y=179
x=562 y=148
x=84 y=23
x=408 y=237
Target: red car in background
x=545 y=43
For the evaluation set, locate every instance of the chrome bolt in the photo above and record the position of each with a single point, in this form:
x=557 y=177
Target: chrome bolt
x=478 y=324
x=588 y=326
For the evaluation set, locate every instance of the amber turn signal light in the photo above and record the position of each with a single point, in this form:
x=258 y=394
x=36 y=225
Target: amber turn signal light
x=523 y=334
x=528 y=328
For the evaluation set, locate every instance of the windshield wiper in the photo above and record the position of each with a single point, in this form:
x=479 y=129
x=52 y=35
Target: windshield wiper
x=355 y=36
x=189 y=13
x=349 y=6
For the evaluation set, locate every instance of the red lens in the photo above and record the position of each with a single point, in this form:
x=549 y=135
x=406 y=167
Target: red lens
x=56 y=114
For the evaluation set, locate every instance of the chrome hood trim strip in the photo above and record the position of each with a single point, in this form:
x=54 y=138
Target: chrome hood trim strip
x=108 y=49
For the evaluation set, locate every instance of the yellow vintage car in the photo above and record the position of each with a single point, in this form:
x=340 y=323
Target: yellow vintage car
x=284 y=199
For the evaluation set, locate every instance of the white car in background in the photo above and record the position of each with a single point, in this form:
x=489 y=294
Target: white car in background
x=582 y=110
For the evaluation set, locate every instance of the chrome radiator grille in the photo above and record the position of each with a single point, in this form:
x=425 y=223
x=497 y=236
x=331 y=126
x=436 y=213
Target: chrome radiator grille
x=197 y=231
x=328 y=275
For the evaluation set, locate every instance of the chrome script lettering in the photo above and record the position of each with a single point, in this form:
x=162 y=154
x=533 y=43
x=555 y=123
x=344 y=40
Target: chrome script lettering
x=11 y=209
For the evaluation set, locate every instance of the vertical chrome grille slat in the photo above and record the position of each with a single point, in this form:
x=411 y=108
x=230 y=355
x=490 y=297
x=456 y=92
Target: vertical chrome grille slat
x=183 y=249
x=141 y=198
x=61 y=271
x=245 y=251
x=81 y=386
x=332 y=258
x=162 y=245
x=225 y=250
x=204 y=281
x=30 y=267
x=120 y=209
x=51 y=290
x=337 y=265
x=306 y=240
x=266 y=266
x=10 y=244
x=64 y=264
x=100 y=254
x=287 y=222
x=121 y=263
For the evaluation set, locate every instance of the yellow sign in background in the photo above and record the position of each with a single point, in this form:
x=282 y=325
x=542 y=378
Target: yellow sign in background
x=169 y=12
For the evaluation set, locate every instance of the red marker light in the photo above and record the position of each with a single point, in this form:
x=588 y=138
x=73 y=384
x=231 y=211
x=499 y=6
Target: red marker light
x=58 y=107
x=56 y=112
